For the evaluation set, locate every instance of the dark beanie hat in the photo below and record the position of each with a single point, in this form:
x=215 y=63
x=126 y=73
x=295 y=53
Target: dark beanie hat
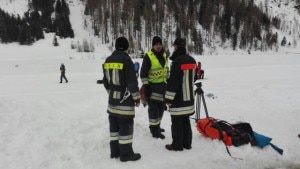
x=155 y=40
x=121 y=44
x=179 y=42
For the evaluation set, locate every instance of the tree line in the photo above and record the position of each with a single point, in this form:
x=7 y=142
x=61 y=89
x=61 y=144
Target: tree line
x=36 y=20
x=240 y=23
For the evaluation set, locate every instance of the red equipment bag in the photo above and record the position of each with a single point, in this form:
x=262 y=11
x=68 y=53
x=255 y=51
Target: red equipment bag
x=230 y=134
x=142 y=96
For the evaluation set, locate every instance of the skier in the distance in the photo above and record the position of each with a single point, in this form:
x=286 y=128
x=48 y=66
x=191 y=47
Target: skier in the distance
x=63 y=73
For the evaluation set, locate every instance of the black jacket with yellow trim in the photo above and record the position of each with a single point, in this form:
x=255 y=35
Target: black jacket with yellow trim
x=180 y=86
x=119 y=77
x=154 y=91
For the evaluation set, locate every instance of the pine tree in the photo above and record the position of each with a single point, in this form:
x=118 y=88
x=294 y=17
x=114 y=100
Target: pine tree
x=55 y=42
x=25 y=34
x=36 y=25
x=283 y=42
x=198 y=42
x=65 y=7
x=234 y=41
x=63 y=27
x=58 y=8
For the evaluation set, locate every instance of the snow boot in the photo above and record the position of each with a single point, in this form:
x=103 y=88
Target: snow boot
x=114 y=149
x=156 y=133
x=187 y=147
x=161 y=129
x=133 y=157
x=173 y=148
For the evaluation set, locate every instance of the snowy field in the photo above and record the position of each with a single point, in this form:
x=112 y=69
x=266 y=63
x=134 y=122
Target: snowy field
x=48 y=125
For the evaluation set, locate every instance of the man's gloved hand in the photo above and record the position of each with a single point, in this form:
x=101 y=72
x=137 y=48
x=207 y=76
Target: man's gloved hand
x=99 y=81
x=137 y=102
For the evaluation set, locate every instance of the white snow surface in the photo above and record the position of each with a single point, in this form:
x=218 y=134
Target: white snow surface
x=48 y=125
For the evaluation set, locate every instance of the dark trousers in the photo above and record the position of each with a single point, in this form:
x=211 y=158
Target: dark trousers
x=63 y=76
x=155 y=112
x=121 y=134
x=181 y=132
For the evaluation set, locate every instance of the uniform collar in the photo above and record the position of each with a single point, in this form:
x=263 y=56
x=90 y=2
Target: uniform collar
x=178 y=52
x=158 y=53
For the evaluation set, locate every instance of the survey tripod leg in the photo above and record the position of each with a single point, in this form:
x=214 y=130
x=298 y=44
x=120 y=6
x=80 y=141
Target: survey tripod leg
x=200 y=98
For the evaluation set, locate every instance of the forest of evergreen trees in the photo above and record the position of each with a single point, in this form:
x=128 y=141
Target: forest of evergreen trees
x=37 y=19
x=239 y=23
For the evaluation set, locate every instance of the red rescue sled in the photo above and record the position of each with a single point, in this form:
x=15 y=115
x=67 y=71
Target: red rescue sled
x=207 y=128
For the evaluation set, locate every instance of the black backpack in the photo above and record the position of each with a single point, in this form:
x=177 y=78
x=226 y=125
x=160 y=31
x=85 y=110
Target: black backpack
x=240 y=133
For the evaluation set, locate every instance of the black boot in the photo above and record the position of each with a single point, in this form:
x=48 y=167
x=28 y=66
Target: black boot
x=187 y=147
x=127 y=154
x=133 y=157
x=173 y=148
x=161 y=129
x=156 y=133
x=114 y=149
x=161 y=136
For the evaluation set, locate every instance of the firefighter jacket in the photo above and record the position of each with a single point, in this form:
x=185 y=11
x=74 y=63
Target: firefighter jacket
x=154 y=74
x=121 y=83
x=180 y=87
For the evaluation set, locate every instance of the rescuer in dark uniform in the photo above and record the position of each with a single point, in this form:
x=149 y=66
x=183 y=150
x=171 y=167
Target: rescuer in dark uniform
x=122 y=86
x=154 y=74
x=180 y=96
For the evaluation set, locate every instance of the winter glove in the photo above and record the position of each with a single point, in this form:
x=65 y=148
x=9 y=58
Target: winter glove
x=99 y=81
x=137 y=102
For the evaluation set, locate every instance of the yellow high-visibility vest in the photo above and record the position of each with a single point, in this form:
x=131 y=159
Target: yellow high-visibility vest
x=157 y=73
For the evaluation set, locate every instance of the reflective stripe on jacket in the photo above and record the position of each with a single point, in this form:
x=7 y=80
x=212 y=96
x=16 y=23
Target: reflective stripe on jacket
x=119 y=78
x=180 y=88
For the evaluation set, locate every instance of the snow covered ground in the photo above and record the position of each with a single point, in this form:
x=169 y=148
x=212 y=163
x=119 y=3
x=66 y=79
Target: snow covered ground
x=48 y=125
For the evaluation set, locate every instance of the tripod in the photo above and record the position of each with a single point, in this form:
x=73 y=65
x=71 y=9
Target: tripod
x=199 y=96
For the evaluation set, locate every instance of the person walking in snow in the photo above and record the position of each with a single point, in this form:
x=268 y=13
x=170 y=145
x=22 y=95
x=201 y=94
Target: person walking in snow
x=63 y=73
x=180 y=96
x=154 y=73
x=121 y=83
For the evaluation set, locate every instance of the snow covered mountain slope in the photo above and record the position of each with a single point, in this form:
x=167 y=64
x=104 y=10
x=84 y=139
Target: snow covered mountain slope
x=17 y=7
x=284 y=10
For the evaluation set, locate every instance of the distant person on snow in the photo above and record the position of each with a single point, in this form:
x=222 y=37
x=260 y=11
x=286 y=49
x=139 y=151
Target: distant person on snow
x=199 y=71
x=63 y=73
